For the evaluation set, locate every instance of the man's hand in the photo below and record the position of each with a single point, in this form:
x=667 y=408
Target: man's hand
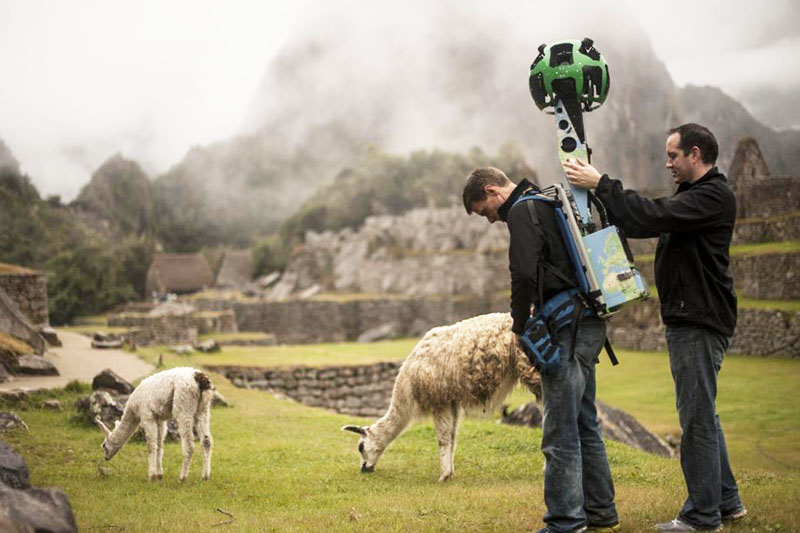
x=581 y=174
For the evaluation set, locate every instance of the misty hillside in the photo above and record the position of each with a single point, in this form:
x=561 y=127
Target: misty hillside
x=383 y=184
x=434 y=77
x=119 y=192
x=87 y=270
x=232 y=191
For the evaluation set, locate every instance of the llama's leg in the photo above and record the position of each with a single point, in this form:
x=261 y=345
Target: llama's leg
x=162 y=434
x=443 y=422
x=203 y=427
x=150 y=427
x=185 y=426
x=458 y=416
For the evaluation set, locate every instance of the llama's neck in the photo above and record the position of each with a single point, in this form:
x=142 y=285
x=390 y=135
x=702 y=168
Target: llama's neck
x=389 y=426
x=128 y=424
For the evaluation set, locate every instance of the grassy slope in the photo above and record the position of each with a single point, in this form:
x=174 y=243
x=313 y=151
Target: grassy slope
x=280 y=466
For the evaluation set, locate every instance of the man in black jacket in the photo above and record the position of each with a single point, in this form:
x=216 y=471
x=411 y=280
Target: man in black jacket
x=578 y=489
x=698 y=305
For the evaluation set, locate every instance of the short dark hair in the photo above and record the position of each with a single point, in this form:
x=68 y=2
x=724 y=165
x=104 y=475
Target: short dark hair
x=691 y=135
x=479 y=178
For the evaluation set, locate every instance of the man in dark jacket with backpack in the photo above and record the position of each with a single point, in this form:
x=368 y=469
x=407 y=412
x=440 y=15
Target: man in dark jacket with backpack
x=698 y=305
x=578 y=489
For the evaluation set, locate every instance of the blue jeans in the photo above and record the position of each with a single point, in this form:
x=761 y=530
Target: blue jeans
x=577 y=480
x=695 y=358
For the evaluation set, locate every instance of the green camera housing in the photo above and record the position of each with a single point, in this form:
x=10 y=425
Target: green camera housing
x=569 y=69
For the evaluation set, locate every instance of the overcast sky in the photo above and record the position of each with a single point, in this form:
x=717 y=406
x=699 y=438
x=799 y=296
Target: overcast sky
x=81 y=80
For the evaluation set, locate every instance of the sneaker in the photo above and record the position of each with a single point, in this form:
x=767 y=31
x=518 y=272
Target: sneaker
x=613 y=528
x=736 y=514
x=581 y=529
x=679 y=526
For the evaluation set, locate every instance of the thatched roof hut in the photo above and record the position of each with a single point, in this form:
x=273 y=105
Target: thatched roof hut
x=236 y=269
x=178 y=273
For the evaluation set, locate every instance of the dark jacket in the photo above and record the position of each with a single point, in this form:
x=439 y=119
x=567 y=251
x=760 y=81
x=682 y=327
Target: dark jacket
x=694 y=229
x=530 y=243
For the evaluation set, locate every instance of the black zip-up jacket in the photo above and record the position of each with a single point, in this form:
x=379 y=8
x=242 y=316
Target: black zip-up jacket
x=694 y=229
x=529 y=244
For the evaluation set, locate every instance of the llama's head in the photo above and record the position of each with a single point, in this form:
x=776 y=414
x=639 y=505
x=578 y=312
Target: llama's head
x=110 y=449
x=369 y=449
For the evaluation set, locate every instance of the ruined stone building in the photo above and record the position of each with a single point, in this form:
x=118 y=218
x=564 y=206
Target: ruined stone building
x=23 y=304
x=178 y=273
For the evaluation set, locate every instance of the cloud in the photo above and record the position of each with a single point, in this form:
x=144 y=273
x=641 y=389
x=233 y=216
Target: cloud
x=84 y=80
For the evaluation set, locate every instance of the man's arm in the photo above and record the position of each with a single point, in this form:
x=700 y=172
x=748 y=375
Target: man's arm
x=642 y=217
x=524 y=253
x=696 y=209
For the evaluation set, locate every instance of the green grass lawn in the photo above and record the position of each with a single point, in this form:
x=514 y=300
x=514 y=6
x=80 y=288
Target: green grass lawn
x=239 y=335
x=281 y=466
x=347 y=353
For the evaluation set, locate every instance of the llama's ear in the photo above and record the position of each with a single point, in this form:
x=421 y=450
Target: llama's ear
x=102 y=426
x=356 y=429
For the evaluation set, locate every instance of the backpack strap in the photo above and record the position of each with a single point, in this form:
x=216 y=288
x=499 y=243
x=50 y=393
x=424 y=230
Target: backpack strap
x=579 y=302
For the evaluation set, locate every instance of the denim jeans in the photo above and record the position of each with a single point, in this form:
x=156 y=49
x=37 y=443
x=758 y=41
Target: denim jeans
x=577 y=480
x=695 y=358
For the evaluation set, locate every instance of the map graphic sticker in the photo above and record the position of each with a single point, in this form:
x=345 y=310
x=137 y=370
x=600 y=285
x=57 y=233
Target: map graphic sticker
x=619 y=281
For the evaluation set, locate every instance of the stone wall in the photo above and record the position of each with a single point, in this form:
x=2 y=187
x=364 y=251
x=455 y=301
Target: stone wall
x=14 y=323
x=773 y=276
x=637 y=327
x=422 y=252
x=771 y=196
x=310 y=321
x=758 y=331
x=147 y=329
x=382 y=258
x=767 y=276
x=775 y=228
x=363 y=390
x=28 y=290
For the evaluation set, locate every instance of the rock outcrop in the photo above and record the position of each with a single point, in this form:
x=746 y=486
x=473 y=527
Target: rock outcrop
x=616 y=425
x=25 y=508
x=111 y=381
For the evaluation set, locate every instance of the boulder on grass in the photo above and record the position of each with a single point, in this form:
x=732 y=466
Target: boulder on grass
x=184 y=349
x=379 y=333
x=36 y=510
x=100 y=404
x=209 y=346
x=13 y=470
x=616 y=425
x=110 y=380
x=35 y=365
x=50 y=336
x=52 y=404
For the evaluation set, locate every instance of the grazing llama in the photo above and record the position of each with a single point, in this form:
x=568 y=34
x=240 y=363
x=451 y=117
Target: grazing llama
x=184 y=394
x=472 y=364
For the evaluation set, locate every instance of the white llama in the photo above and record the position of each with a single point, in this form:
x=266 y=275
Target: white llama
x=184 y=394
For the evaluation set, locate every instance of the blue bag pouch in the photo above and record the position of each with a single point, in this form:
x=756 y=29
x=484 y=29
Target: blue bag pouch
x=538 y=345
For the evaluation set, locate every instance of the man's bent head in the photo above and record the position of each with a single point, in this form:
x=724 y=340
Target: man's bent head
x=485 y=191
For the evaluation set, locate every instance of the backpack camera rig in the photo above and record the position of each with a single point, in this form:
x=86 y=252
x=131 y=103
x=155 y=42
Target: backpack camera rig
x=572 y=77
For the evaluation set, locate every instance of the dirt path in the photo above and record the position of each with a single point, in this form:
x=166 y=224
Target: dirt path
x=76 y=359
